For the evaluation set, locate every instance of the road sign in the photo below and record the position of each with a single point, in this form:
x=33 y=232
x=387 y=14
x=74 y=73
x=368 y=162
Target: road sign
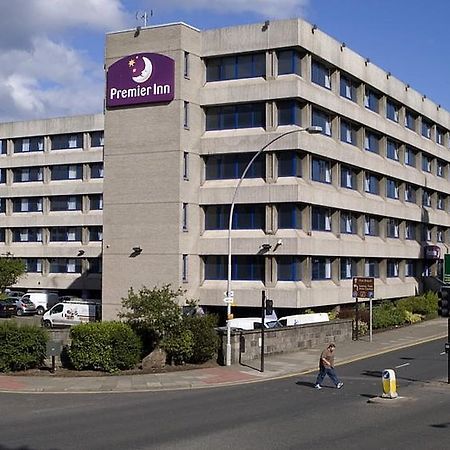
x=363 y=287
x=447 y=268
x=228 y=299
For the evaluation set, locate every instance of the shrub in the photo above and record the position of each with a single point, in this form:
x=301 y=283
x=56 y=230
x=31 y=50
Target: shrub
x=387 y=315
x=21 y=347
x=205 y=337
x=178 y=346
x=425 y=305
x=363 y=328
x=412 y=317
x=107 y=346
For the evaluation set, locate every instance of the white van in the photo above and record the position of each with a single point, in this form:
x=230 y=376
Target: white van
x=42 y=300
x=301 y=319
x=71 y=313
x=250 y=323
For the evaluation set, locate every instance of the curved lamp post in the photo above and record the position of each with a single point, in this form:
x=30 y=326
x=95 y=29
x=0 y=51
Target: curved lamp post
x=229 y=294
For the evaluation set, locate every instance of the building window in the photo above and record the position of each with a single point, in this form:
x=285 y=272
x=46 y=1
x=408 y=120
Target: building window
x=97 y=170
x=33 y=265
x=321 y=219
x=371 y=268
x=410 y=157
x=410 y=268
x=232 y=166
x=441 y=201
x=247 y=115
x=67 y=141
x=426 y=233
x=186 y=115
x=348 y=88
x=96 y=202
x=348 y=268
x=371 y=100
x=95 y=234
x=321 y=170
x=321 y=74
x=426 y=128
x=289 y=164
x=65 y=203
x=97 y=139
x=371 y=183
x=245 y=217
x=27 y=234
x=426 y=163
x=440 y=234
x=27 y=174
x=236 y=66
x=2 y=176
x=289 y=216
x=186 y=65
x=440 y=168
x=65 y=234
x=3 y=147
x=184 y=217
x=392 y=148
x=95 y=265
x=372 y=142
x=426 y=198
x=348 y=132
x=348 y=177
x=392 y=110
x=440 y=133
x=289 y=268
x=289 y=61
x=323 y=120
x=410 y=231
x=392 y=188
x=321 y=268
x=392 y=268
x=2 y=234
x=243 y=267
x=371 y=226
x=29 y=204
x=348 y=223
x=410 y=193
x=25 y=145
x=2 y=205
x=67 y=172
x=289 y=112
x=184 y=270
x=65 y=265
x=185 y=166
x=410 y=120
x=392 y=228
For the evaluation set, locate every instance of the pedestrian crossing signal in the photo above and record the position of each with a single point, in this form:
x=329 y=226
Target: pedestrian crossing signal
x=444 y=301
x=269 y=307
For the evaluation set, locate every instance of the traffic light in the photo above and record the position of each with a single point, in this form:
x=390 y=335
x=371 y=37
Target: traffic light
x=444 y=301
x=269 y=307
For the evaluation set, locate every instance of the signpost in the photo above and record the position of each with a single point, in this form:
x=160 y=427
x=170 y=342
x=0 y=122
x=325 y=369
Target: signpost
x=363 y=287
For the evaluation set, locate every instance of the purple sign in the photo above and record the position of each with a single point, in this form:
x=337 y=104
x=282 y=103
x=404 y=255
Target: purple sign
x=140 y=78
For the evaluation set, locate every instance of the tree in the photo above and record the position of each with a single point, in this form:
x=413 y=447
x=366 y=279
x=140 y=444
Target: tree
x=11 y=269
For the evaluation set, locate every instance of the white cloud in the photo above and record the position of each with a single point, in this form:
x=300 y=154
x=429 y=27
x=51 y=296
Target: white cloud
x=270 y=9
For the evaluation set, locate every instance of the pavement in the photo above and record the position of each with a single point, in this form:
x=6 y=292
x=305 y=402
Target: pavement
x=275 y=367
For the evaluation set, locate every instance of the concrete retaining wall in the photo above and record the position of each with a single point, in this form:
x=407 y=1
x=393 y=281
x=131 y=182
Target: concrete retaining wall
x=246 y=345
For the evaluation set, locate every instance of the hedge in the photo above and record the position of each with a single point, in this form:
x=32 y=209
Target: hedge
x=21 y=347
x=205 y=337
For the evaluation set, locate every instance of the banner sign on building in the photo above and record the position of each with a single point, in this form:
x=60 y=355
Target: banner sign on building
x=140 y=78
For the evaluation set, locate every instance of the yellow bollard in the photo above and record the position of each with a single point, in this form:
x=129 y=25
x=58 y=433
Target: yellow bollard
x=389 y=384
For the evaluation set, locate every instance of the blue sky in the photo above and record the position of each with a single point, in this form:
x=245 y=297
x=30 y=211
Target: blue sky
x=51 y=51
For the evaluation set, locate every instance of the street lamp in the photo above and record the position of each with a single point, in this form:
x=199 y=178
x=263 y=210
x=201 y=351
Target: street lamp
x=229 y=294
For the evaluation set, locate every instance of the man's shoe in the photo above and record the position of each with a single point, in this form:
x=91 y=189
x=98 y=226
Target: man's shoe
x=318 y=386
x=339 y=385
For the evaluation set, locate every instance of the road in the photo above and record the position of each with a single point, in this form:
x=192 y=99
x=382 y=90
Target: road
x=280 y=414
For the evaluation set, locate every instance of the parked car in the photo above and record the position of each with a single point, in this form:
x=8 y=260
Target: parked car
x=15 y=294
x=24 y=306
x=7 y=307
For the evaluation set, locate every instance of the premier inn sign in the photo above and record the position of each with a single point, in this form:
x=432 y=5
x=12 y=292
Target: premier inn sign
x=140 y=78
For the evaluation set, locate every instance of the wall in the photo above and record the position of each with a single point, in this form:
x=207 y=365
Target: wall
x=284 y=340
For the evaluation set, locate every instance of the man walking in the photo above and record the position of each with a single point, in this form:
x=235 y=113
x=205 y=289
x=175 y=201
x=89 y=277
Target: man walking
x=326 y=367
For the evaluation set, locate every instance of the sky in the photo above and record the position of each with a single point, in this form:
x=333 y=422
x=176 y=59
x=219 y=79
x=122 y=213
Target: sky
x=51 y=51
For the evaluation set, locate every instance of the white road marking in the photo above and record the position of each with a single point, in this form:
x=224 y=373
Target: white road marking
x=402 y=365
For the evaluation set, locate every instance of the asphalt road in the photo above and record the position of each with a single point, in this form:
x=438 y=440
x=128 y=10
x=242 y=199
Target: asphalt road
x=280 y=414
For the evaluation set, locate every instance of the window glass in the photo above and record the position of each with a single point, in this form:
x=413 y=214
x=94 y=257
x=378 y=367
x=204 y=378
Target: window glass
x=288 y=268
x=250 y=115
x=289 y=112
x=371 y=100
x=323 y=120
x=33 y=144
x=348 y=88
x=321 y=268
x=97 y=139
x=392 y=110
x=245 y=217
x=289 y=164
x=289 y=216
x=348 y=268
x=371 y=225
x=371 y=183
x=372 y=142
x=348 y=222
x=392 y=188
x=289 y=61
x=232 y=165
x=321 y=219
x=67 y=141
x=321 y=170
x=371 y=268
x=348 y=177
x=320 y=74
x=392 y=149
x=242 y=267
x=348 y=132
x=410 y=157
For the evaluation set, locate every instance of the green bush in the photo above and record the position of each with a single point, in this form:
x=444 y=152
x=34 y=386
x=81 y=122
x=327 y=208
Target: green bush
x=21 y=347
x=425 y=305
x=178 y=346
x=205 y=337
x=388 y=315
x=107 y=346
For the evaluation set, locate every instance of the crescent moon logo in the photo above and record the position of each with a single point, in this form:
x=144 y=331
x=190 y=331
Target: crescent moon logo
x=146 y=71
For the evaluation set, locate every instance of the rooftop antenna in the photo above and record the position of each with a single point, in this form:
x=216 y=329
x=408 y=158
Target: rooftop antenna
x=143 y=15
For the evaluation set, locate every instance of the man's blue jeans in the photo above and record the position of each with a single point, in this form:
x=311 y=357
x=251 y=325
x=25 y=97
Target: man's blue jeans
x=327 y=371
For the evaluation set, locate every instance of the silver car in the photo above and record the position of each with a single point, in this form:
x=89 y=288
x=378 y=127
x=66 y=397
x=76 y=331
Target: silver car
x=25 y=307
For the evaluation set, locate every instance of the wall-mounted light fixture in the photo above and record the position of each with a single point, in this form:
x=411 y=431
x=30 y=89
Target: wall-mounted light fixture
x=388 y=74
x=343 y=46
x=265 y=27
x=137 y=249
x=367 y=61
x=80 y=252
x=407 y=87
x=424 y=97
x=266 y=247
x=314 y=28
